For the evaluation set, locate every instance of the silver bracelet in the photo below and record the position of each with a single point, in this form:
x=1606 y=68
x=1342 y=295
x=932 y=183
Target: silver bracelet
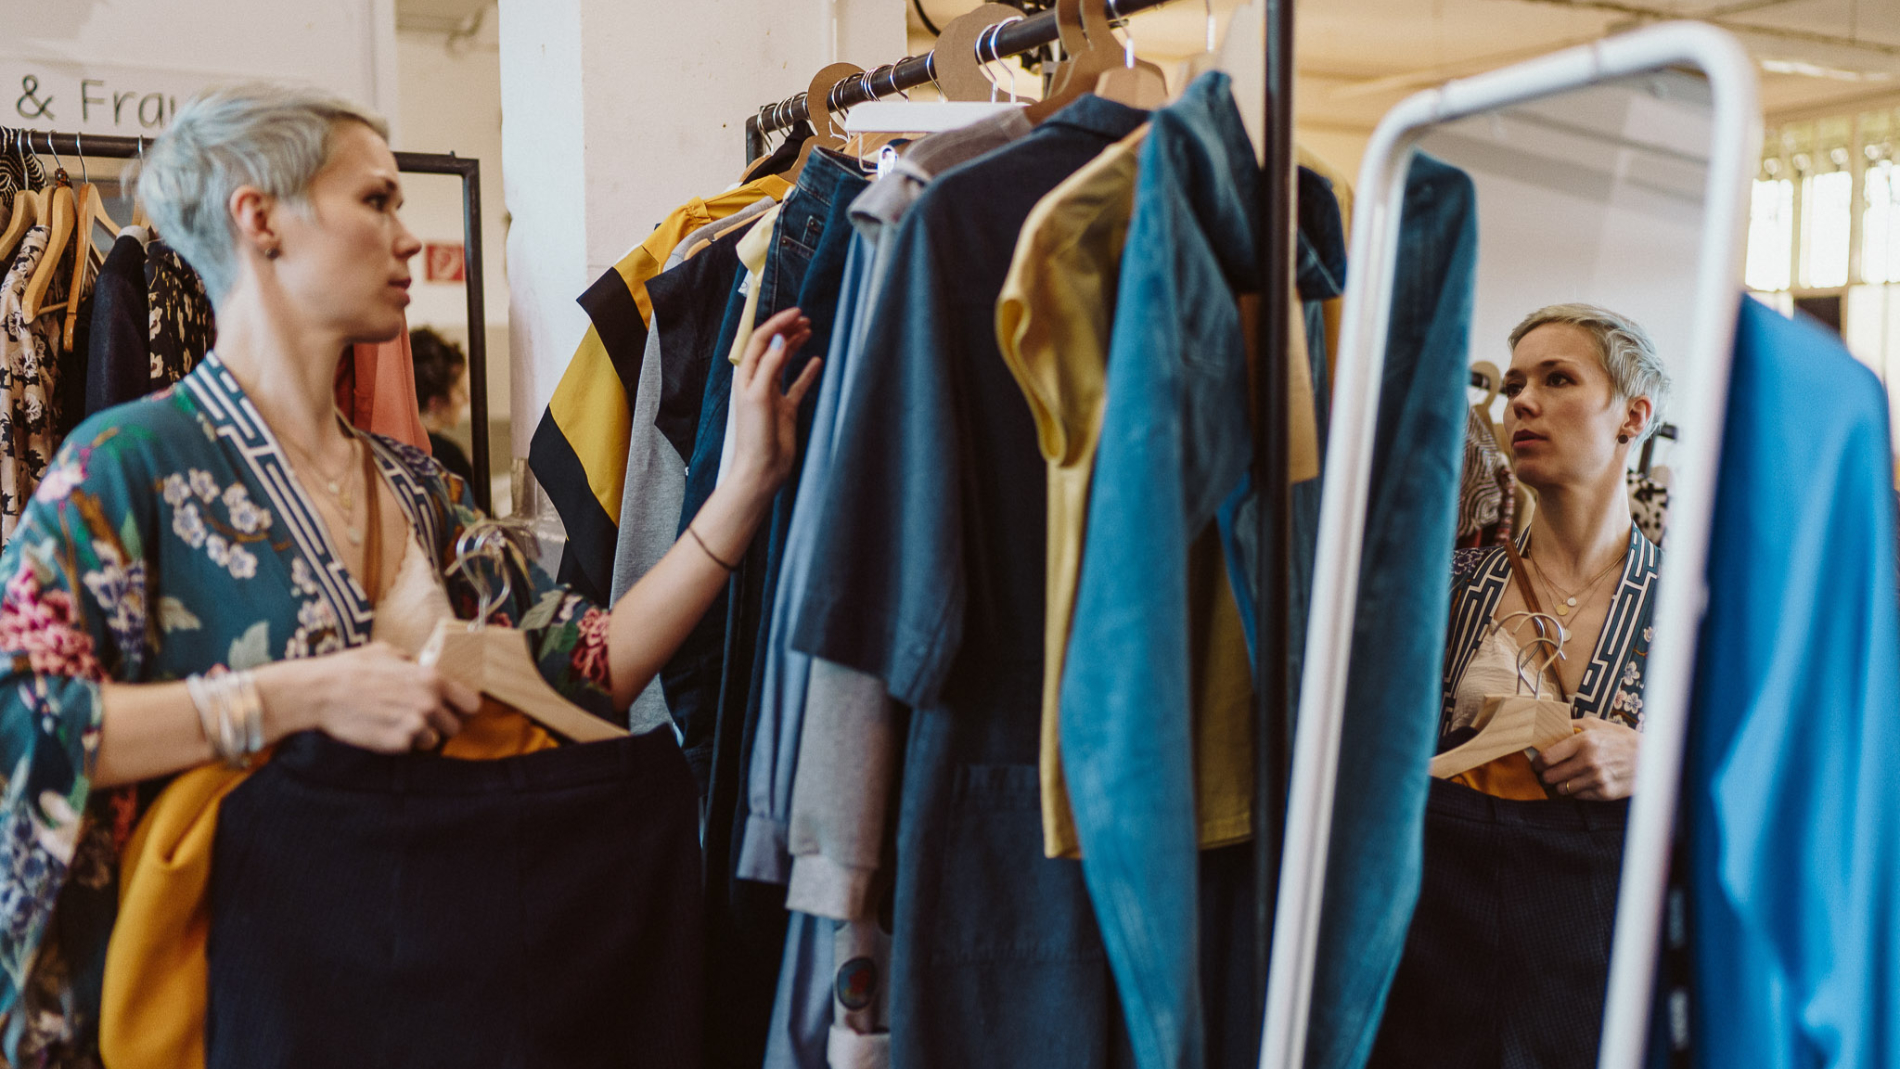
x=231 y=714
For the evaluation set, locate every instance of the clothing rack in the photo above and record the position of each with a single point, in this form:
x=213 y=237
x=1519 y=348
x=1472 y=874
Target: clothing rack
x=125 y=148
x=1008 y=39
x=1273 y=726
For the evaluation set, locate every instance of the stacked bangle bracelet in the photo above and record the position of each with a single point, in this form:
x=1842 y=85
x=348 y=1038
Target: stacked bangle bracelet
x=231 y=714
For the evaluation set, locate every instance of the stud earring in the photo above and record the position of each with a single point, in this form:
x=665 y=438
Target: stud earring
x=1623 y=439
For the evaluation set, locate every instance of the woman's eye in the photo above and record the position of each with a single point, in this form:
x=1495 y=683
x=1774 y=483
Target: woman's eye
x=1511 y=389
x=1558 y=378
x=378 y=201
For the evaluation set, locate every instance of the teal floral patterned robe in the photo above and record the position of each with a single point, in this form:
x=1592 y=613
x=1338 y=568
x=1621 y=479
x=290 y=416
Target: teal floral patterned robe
x=170 y=537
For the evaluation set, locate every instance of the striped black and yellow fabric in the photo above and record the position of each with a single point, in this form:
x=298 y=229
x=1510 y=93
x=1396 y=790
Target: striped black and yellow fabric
x=579 y=450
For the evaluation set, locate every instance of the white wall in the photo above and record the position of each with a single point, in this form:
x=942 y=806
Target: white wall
x=614 y=113
x=1595 y=198
x=176 y=46
x=451 y=102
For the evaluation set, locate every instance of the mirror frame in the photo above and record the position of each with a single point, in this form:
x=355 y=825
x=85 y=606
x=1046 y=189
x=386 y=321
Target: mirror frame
x=1681 y=593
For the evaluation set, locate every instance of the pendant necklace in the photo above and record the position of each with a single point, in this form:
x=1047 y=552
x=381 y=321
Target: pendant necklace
x=343 y=490
x=1569 y=601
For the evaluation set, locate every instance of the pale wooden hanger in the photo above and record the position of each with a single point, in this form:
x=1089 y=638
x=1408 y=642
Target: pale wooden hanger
x=494 y=660
x=63 y=217
x=1137 y=82
x=954 y=65
x=1085 y=67
x=26 y=212
x=91 y=212
x=825 y=131
x=1516 y=722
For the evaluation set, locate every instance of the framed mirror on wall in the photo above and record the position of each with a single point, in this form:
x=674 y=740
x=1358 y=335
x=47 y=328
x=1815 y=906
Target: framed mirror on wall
x=1519 y=484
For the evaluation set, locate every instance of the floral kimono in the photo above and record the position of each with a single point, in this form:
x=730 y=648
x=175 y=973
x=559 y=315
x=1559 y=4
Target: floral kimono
x=170 y=537
x=1612 y=686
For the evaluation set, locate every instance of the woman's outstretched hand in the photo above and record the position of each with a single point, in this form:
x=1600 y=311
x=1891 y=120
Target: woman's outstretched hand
x=765 y=412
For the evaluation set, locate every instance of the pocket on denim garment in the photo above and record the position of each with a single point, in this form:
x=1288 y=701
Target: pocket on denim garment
x=1002 y=899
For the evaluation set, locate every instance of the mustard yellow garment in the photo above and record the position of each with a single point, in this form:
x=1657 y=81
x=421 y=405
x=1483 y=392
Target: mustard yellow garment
x=752 y=251
x=589 y=406
x=1053 y=322
x=1342 y=192
x=152 y=1010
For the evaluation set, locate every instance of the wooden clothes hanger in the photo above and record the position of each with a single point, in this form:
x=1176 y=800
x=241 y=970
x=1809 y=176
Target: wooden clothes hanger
x=494 y=660
x=61 y=218
x=1137 y=82
x=1514 y=723
x=91 y=212
x=1084 y=68
x=825 y=131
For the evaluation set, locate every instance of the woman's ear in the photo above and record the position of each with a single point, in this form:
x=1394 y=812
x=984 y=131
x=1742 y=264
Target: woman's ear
x=1636 y=419
x=254 y=213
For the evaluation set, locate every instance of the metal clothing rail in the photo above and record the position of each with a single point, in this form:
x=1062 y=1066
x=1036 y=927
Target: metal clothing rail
x=123 y=148
x=1008 y=39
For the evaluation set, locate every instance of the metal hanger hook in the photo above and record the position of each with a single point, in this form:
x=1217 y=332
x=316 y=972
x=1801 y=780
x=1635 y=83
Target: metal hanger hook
x=58 y=164
x=1213 y=40
x=85 y=174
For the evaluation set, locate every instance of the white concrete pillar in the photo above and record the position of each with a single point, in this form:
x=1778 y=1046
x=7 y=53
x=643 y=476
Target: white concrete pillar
x=614 y=113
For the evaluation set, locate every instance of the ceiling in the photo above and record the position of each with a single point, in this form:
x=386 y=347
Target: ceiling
x=1357 y=58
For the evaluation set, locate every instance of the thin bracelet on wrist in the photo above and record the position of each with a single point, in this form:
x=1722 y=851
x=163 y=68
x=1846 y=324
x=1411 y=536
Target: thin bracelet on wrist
x=708 y=549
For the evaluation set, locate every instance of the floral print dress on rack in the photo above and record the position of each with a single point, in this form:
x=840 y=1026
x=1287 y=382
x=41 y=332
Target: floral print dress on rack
x=170 y=537
x=29 y=366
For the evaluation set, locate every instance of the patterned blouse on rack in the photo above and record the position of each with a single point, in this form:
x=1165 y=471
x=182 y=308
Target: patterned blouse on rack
x=29 y=369
x=183 y=329
x=170 y=537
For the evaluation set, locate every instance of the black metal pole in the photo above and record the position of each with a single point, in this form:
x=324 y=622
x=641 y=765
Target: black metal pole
x=1272 y=449
x=1014 y=38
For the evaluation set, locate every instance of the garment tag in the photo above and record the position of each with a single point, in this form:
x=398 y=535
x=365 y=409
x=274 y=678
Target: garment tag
x=886 y=160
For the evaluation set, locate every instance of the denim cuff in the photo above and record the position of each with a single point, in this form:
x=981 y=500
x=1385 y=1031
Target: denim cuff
x=763 y=853
x=825 y=888
x=845 y=1049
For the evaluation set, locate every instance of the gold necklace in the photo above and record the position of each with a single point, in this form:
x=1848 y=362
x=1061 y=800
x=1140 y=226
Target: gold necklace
x=1570 y=599
x=344 y=491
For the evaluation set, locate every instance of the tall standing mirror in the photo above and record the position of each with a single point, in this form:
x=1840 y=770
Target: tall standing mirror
x=1516 y=504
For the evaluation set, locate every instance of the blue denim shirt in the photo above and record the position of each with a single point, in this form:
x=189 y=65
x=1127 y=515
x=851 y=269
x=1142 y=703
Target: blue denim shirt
x=1175 y=442
x=1788 y=789
x=930 y=577
x=1375 y=859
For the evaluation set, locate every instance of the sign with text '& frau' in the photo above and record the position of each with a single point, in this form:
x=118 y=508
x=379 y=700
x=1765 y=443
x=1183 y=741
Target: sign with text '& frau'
x=89 y=98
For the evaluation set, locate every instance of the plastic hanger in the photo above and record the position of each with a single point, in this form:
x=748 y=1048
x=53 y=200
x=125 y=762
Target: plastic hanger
x=63 y=215
x=91 y=212
x=494 y=660
x=1137 y=82
x=858 y=143
x=825 y=132
x=1085 y=67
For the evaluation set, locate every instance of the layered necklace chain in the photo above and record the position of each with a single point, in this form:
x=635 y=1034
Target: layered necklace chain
x=342 y=490
x=1570 y=598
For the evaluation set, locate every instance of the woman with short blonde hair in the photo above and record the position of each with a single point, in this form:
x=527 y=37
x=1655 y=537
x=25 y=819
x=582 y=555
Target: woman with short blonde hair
x=202 y=573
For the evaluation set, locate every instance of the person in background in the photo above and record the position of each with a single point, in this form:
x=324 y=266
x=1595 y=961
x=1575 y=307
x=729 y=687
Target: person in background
x=442 y=395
